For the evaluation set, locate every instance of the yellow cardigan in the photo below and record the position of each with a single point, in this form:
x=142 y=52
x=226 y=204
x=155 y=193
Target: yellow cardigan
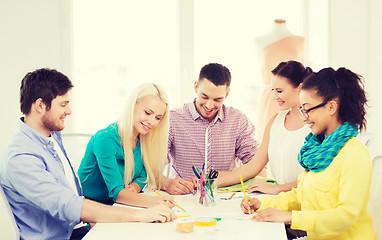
x=332 y=204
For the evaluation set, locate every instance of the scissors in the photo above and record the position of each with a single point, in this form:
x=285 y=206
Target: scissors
x=213 y=174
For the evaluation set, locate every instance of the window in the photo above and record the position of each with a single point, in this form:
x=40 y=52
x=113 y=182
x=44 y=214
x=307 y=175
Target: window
x=117 y=46
x=120 y=44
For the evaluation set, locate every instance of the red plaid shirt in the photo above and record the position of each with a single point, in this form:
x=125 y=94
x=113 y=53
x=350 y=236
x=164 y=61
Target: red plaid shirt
x=230 y=136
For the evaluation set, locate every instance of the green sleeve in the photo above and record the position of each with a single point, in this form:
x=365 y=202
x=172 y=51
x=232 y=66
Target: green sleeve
x=106 y=148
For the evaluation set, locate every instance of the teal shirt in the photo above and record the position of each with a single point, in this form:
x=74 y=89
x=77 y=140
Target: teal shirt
x=102 y=168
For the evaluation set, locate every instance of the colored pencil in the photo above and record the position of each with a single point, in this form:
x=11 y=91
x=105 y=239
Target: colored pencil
x=177 y=172
x=245 y=195
x=209 y=185
x=232 y=196
x=201 y=188
x=205 y=190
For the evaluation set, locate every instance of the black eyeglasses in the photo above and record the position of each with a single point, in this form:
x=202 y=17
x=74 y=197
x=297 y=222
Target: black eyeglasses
x=305 y=112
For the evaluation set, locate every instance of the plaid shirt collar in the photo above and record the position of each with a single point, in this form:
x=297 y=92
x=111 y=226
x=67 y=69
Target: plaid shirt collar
x=195 y=114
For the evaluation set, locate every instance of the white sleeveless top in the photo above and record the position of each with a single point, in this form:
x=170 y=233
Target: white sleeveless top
x=283 y=149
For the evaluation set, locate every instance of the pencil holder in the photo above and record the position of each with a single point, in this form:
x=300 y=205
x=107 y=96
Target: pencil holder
x=207 y=192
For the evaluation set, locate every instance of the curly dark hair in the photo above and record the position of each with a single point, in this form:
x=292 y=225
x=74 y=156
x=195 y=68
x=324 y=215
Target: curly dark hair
x=42 y=83
x=345 y=85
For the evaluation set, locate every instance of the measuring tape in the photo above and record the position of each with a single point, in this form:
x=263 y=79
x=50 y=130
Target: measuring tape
x=205 y=222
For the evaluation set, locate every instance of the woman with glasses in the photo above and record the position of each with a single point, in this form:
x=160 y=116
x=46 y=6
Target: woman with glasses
x=332 y=195
x=283 y=136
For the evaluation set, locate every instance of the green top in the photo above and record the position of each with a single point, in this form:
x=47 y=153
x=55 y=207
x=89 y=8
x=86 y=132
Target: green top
x=103 y=165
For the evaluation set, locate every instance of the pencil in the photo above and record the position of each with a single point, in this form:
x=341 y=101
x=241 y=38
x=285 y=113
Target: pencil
x=245 y=195
x=175 y=203
x=232 y=196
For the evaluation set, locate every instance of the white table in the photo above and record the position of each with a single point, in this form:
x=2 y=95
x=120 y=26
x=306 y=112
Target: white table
x=233 y=224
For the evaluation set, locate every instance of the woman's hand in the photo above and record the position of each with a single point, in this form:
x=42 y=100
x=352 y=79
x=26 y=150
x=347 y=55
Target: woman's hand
x=158 y=213
x=166 y=200
x=273 y=215
x=264 y=187
x=133 y=187
x=252 y=205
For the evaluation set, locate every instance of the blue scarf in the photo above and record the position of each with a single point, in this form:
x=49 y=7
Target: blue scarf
x=318 y=152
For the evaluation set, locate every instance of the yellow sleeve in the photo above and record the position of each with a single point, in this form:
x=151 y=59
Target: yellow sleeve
x=285 y=201
x=355 y=177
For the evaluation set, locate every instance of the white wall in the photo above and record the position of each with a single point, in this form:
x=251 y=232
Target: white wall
x=33 y=34
x=355 y=38
x=375 y=64
x=37 y=34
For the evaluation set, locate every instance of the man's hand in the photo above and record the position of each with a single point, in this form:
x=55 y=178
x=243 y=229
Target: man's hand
x=179 y=186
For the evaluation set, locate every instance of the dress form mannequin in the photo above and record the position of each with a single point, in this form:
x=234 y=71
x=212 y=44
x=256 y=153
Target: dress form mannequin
x=274 y=47
x=278 y=32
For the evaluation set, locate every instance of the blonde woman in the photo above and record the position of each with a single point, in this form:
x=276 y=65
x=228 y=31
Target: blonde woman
x=125 y=156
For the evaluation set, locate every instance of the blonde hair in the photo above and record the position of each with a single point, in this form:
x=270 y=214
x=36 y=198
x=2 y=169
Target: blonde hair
x=153 y=144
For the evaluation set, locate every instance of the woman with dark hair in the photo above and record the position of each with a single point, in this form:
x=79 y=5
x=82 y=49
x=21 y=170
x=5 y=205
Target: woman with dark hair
x=332 y=195
x=283 y=136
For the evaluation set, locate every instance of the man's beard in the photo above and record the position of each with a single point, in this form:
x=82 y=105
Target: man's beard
x=49 y=124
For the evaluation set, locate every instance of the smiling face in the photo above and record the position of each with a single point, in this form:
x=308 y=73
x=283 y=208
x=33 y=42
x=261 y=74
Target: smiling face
x=209 y=98
x=286 y=95
x=148 y=112
x=54 y=118
x=324 y=118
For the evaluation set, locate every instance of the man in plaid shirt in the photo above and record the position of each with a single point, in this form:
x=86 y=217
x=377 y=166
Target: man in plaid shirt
x=207 y=134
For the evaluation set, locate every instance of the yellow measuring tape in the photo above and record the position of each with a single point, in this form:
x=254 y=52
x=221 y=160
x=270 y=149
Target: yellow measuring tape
x=205 y=222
